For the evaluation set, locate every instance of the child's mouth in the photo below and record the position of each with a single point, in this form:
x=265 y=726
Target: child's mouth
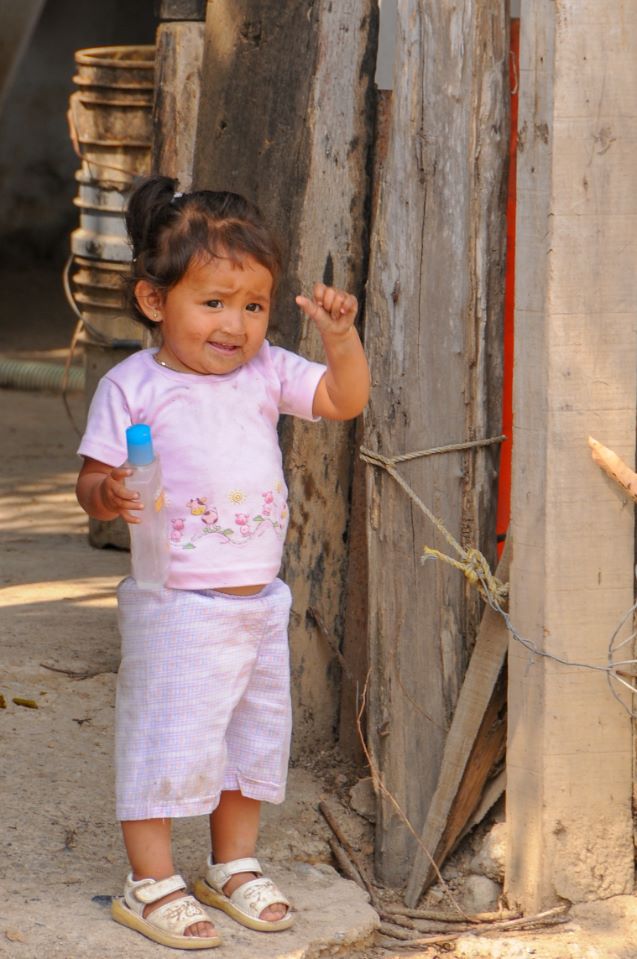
x=225 y=347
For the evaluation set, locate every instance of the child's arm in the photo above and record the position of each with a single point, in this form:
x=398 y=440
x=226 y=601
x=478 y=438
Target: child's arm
x=343 y=391
x=101 y=492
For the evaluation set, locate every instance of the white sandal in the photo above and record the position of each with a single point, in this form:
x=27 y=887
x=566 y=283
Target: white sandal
x=248 y=901
x=168 y=923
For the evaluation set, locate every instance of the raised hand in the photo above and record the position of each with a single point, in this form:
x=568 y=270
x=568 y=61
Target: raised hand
x=333 y=311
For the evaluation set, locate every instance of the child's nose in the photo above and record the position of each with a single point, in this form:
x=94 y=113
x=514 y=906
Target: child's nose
x=233 y=320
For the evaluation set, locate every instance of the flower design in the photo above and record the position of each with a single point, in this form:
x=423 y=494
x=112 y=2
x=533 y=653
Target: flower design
x=253 y=521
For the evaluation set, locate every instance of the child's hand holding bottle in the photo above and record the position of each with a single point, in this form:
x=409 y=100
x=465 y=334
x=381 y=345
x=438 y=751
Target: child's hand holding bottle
x=117 y=498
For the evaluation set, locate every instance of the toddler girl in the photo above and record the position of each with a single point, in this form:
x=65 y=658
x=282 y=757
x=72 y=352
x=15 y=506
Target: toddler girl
x=203 y=701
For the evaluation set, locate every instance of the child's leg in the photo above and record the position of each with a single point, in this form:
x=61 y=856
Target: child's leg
x=234 y=827
x=148 y=844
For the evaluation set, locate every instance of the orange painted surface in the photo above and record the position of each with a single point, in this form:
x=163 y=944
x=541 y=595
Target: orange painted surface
x=504 y=481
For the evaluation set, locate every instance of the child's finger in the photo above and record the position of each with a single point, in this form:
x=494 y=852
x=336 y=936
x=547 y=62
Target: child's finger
x=319 y=292
x=130 y=517
x=311 y=310
x=350 y=304
x=120 y=473
x=122 y=493
x=337 y=306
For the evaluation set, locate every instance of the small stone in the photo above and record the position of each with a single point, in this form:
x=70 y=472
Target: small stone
x=491 y=859
x=362 y=799
x=480 y=894
x=15 y=935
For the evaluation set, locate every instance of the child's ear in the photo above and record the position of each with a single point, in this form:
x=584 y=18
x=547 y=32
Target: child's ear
x=149 y=300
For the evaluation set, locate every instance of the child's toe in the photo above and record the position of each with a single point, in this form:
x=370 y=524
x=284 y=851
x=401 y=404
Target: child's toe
x=274 y=912
x=203 y=929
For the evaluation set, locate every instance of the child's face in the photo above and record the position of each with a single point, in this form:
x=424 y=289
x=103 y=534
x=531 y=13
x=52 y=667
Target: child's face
x=216 y=318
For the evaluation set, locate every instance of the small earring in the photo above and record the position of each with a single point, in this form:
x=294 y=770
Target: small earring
x=155 y=315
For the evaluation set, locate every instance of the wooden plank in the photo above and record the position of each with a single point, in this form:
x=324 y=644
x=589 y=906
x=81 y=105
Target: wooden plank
x=176 y=105
x=475 y=736
x=570 y=751
x=493 y=791
x=285 y=119
x=180 y=9
x=433 y=332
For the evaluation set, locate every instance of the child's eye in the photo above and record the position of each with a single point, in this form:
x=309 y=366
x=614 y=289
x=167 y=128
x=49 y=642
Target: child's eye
x=215 y=304
x=254 y=307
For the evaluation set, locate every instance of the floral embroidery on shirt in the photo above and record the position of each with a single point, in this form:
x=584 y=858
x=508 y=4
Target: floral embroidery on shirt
x=197 y=505
x=272 y=515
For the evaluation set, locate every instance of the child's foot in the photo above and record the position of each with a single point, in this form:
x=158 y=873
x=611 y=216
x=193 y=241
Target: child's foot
x=205 y=930
x=241 y=891
x=271 y=913
x=162 y=911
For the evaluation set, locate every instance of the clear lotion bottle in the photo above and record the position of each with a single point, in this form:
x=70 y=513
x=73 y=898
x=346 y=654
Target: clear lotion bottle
x=150 y=548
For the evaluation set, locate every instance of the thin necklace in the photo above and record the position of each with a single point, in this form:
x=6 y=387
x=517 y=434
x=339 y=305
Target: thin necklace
x=161 y=363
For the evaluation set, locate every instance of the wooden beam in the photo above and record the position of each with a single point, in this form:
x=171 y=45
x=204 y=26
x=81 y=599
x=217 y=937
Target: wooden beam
x=180 y=9
x=570 y=756
x=433 y=334
x=476 y=735
x=176 y=106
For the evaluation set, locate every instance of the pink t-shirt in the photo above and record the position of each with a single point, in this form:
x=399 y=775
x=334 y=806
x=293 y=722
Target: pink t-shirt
x=216 y=437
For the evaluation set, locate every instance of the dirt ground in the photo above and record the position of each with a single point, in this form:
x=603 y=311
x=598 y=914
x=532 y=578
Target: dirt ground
x=62 y=858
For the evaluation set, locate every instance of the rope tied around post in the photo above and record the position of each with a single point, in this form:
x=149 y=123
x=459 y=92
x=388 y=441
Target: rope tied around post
x=472 y=563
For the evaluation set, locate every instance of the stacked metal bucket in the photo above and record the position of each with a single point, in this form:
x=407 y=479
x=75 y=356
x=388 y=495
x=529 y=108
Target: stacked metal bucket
x=110 y=120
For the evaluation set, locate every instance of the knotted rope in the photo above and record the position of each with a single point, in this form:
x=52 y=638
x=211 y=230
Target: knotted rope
x=472 y=563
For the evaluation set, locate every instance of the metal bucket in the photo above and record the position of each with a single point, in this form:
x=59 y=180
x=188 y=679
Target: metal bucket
x=102 y=231
x=110 y=113
x=97 y=291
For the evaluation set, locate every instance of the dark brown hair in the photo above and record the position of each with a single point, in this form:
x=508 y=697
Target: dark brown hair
x=168 y=232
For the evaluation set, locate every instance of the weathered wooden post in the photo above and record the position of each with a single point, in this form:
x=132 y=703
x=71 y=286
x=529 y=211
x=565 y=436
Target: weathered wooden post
x=433 y=334
x=180 y=41
x=285 y=119
x=569 y=752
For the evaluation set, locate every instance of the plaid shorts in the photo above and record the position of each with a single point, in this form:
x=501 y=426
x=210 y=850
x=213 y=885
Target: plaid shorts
x=203 y=699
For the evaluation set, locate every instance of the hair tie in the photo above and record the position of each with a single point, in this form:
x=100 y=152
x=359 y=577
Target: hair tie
x=176 y=196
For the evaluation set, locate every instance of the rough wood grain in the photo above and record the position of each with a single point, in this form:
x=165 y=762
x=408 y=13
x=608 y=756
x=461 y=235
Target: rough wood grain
x=285 y=119
x=476 y=734
x=176 y=104
x=181 y=9
x=433 y=332
x=569 y=751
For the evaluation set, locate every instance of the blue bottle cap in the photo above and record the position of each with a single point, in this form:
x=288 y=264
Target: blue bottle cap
x=140 y=445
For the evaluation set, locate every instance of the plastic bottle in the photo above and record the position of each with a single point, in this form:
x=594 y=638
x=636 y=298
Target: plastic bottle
x=150 y=549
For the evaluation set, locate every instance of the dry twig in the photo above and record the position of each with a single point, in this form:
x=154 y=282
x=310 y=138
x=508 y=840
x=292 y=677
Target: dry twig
x=379 y=786
x=437 y=915
x=75 y=673
x=551 y=917
x=328 y=816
